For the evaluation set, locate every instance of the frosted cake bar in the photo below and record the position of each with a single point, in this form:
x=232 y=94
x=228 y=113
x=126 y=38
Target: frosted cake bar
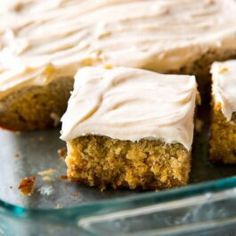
x=129 y=128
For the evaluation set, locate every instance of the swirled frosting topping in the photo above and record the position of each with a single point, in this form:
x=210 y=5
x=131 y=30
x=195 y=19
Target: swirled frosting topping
x=131 y=104
x=158 y=35
x=224 y=86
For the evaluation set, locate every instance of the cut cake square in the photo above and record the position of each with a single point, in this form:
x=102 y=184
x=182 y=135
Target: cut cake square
x=131 y=128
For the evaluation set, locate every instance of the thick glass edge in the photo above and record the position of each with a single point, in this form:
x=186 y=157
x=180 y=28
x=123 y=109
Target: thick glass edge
x=102 y=206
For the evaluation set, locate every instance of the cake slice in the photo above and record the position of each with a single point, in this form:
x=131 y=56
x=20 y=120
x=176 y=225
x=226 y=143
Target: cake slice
x=129 y=128
x=223 y=126
x=178 y=37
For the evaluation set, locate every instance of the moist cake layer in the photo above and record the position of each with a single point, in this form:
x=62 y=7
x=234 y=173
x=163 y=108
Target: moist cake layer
x=158 y=35
x=148 y=164
x=131 y=104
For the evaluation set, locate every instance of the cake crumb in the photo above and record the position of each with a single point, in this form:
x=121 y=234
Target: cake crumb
x=70 y=179
x=61 y=152
x=64 y=177
x=26 y=185
x=48 y=174
x=47 y=178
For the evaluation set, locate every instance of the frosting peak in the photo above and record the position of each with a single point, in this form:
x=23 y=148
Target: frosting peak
x=131 y=104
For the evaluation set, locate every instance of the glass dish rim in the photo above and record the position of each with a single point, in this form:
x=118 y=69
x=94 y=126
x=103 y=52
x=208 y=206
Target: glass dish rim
x=160 y=196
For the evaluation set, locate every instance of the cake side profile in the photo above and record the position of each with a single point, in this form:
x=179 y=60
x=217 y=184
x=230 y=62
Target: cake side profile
x=147 y=164
x=179 y=37
x=129 y=128
x=36 y=107
x=223 y=124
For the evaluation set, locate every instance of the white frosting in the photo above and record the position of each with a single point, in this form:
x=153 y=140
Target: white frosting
x=224 y=86
x=159 y=35
x=131 y=104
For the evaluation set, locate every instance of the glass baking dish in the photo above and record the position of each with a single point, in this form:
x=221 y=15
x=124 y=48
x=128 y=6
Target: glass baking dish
x=57 y=207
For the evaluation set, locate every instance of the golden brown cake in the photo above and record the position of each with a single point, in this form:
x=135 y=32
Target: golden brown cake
x=36 y=107
x=179 y=37
x=129 y=128
x=223 y=125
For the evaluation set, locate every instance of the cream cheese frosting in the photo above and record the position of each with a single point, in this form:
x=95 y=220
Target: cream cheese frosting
x=66 y=35
x=224 y=86
x=131 y=104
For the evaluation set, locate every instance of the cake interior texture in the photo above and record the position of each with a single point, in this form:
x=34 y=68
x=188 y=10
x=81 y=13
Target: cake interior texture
x=223 y=138
x=36 y=107
x=145 y=164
